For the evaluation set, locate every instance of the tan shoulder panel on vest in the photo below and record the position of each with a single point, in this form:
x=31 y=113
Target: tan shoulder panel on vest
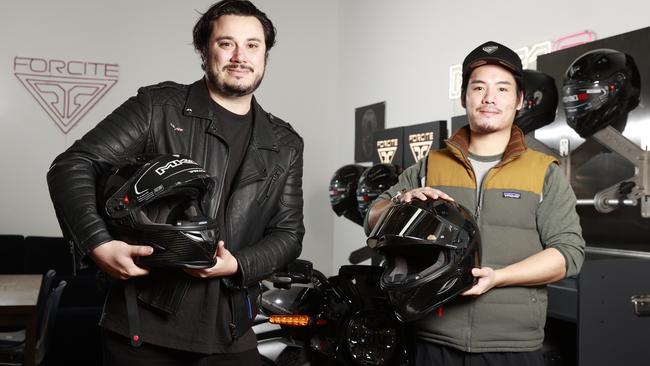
x=443 y=169
x=525 y=173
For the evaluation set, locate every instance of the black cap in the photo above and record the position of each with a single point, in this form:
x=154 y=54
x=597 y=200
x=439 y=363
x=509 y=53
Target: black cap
x=492 y=53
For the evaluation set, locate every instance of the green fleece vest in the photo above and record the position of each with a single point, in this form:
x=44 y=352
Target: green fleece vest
x=509 y=319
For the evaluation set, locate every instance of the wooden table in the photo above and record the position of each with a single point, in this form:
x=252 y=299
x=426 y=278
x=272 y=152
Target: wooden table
x=18 y=297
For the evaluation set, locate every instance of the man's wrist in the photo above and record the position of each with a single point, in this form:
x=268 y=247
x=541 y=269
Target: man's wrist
x=397 y=198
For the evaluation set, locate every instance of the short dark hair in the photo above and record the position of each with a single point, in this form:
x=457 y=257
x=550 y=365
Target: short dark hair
x=203 y=27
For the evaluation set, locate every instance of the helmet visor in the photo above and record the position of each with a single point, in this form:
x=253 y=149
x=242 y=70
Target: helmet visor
x=405 y=225
x=337 y=193
x=582 y=98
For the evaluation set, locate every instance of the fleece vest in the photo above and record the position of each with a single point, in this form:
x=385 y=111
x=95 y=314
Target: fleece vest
x=508 y=319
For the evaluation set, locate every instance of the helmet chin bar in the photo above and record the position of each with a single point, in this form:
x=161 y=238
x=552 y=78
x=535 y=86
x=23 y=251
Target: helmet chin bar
x=628 y=191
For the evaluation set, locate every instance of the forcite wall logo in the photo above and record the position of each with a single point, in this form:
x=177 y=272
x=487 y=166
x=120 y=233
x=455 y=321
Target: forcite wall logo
x=420 y=144
x=66 y=90
x=386 y=150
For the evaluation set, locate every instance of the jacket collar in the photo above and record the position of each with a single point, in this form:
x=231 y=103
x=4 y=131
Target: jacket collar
x=198 y=104
x=458 y=144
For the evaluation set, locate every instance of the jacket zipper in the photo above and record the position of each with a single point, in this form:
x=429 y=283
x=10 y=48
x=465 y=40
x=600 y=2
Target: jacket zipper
x=477 y=217
x=274 y=177
x=479 y=205
x=470 y=316
x=223 y=182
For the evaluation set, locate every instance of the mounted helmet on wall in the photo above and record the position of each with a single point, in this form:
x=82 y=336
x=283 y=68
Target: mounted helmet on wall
x=600 y=88
x=430 y=249
x=343 y=190
x=156 y=200
x=373 y=182
x=540 y=101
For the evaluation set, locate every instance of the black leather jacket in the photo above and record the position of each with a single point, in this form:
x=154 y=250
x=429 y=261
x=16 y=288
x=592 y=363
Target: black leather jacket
x=264 y=220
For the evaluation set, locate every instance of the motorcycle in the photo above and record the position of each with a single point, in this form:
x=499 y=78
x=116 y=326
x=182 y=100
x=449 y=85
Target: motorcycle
x=342 y=320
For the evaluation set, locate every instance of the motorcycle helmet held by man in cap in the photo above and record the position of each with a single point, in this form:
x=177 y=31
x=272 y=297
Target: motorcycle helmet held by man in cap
x=600 y=88
x=343 y=192
x=375 y=180
x=540 y=101
x=430 y=248
x=157 y=200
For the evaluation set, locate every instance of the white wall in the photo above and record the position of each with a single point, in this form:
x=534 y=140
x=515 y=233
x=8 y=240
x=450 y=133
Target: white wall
x=331 y=57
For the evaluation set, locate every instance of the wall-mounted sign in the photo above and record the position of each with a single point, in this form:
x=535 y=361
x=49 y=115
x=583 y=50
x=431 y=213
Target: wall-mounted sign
x=389 y=146
x=66 y=90
x=421 y=138
x=368 y=119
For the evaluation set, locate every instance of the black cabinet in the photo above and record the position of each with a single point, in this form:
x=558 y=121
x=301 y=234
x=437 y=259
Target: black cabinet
x=594 y=313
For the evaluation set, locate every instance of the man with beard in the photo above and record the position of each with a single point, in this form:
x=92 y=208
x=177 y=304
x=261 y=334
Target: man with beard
x=194 y=316
x=525 y=209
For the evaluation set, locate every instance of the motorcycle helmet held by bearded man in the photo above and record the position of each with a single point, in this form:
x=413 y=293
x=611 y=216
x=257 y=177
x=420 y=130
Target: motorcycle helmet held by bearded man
x=430 y=248
x=158 y=200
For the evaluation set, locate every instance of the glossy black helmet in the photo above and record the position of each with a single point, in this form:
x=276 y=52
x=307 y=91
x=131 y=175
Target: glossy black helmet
x=343 y=192
x=540 y=101
x=430 y=249
x=600 y=88
x=157 y=200
x=373 y=182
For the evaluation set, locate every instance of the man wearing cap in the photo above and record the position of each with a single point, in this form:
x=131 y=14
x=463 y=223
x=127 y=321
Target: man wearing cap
x=525 y=209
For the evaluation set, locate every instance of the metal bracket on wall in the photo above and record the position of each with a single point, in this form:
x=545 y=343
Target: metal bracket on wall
x=629 y=191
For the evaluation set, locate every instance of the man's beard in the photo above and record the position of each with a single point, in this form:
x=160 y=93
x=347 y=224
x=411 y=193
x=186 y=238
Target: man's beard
x=229 y=90
x=483 y=129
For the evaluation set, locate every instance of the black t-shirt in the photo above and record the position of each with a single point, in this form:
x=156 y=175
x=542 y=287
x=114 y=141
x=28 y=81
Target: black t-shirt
x=236 y=131
x=201 y=323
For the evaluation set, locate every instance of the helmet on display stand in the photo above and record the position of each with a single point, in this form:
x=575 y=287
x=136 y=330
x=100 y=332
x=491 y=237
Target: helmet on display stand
x=343 y=190
x=157 y=200
x=430 y=248
x=600 y=88
x=373 y=182
x=540 y=101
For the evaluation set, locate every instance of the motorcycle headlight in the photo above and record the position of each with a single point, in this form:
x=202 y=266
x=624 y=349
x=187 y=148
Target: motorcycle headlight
x=372 y=337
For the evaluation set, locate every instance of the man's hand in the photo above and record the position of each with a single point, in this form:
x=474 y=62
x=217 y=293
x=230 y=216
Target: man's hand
x=226 y=265
x=116 y=258
x=487 y=279
x=423 y=194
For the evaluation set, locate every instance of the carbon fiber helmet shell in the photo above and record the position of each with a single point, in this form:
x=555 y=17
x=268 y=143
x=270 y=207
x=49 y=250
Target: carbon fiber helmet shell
x=540 y=101
x=430 y=249
x=157 y=200
x=375 y=180
x=600 y=88
x=343 y=191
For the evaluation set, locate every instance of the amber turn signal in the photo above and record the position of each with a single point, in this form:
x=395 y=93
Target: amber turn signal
x=295 y=320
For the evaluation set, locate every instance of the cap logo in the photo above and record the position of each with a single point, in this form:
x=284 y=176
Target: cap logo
x=490 y=49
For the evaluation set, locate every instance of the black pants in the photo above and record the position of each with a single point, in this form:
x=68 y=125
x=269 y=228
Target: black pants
x=117 y=351
x=431 y=354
